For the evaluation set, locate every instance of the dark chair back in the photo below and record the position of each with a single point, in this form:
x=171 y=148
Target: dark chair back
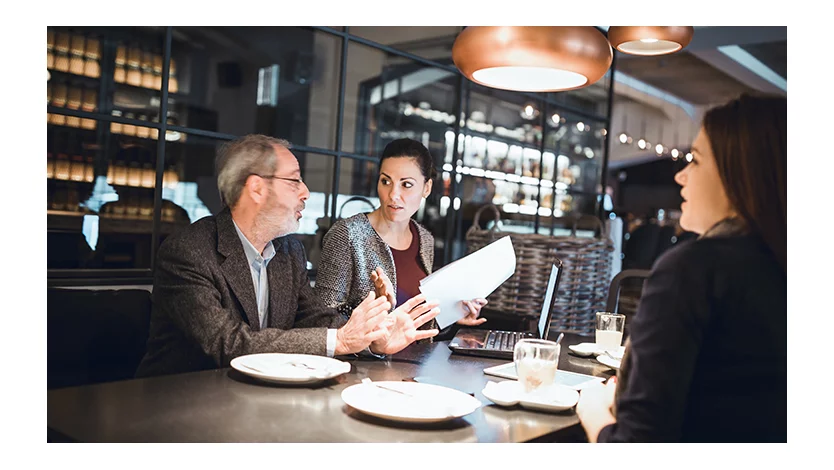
x=95 y=335
x=623 y=296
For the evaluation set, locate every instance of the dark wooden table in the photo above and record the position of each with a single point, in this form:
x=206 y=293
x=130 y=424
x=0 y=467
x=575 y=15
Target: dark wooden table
x=226 y=406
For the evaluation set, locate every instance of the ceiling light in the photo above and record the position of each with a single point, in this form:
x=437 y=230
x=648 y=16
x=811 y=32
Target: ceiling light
x=555 y=118
x=675 y=153
x=623 y=138
x=688 y=157
x=641 y=143
x=659 y=149
x=529 y=111
x=650 y=40
x=532 y=58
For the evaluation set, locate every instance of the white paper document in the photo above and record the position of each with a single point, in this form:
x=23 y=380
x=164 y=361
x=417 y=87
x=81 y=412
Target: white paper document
x=474 y=276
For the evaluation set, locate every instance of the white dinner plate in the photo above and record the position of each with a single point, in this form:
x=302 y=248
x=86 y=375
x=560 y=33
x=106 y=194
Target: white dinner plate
x=585 y=349
x=410 y=402
x=290 y=368
x=593 y=349
x=510 y=393
x=609 y=361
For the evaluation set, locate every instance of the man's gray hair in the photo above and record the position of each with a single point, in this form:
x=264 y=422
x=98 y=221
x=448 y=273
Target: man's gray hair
x=247 y=155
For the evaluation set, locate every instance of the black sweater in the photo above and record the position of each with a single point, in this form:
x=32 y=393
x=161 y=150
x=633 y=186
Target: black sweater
x=708 y=357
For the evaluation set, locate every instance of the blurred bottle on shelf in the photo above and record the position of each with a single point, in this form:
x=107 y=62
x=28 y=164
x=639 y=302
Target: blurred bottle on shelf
x=119 y=170
x=76 y=65
x=50 y=49
x=148 y=173
x=62 y=46
x=157 y=72
x=120 y=72
x=89 y=169
x=92 y=54
x=134 y=60
x=89 y=104
x=129 y=129
x=62 y=166
x=116 y=127
x=74 y=103
x=142 y=131
x=50 y=165
x=147 y=70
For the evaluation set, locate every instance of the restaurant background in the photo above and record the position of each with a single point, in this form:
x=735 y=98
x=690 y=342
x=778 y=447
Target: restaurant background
x=120 y=179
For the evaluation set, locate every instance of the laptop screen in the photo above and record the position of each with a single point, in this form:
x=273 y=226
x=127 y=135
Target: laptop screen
x=544 y=319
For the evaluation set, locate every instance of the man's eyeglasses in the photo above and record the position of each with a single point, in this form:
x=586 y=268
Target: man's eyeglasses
x=297 y=181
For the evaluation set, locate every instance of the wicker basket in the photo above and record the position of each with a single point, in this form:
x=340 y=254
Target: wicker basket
x=586 y=274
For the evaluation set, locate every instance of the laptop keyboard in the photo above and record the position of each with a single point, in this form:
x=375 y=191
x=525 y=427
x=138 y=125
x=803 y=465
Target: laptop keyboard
x=503 y=340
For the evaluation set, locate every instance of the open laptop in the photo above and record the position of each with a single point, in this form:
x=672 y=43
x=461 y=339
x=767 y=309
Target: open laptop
x=500 y=344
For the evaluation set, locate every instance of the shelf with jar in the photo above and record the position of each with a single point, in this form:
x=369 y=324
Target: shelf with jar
x=525 y=135
x=142 y=68
x=142 y=132
x=77 y=60
x=137 y=173
x=75 y=97
x=73 y=53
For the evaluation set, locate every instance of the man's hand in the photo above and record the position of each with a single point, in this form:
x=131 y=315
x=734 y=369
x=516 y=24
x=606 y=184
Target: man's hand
x=473 y=309
x=366 y=325
x=383 y=286
x=594 y=408
x=410 y=316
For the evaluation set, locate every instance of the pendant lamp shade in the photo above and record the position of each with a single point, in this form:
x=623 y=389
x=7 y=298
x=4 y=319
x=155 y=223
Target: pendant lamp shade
x=650 y=40
x=532 y=58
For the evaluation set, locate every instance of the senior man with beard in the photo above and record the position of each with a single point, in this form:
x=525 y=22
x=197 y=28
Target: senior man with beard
x=235 y=284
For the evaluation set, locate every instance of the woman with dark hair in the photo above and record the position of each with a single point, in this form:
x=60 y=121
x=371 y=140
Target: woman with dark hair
x=386 y=250
x=707 y=357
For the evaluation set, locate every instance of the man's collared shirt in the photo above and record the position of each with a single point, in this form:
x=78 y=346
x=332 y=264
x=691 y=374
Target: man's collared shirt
x=257 y=267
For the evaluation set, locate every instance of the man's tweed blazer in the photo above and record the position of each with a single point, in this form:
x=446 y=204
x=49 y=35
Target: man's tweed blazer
x=204 y=308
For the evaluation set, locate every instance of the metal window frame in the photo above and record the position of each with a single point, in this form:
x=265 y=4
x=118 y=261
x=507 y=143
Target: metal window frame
x=453 y=223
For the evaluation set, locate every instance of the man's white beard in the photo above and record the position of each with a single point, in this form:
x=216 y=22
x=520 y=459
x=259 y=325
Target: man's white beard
x=273 y=224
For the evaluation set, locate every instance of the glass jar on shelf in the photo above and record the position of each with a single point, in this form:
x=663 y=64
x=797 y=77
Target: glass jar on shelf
x=134 y=60
x=62 y=166
x=77 y=167
x=59 y=99
x=120 y=71
x=154 y=132
x=134 y=172
x=129 y=129
x=50 y=166
x=148 y=173
x=74 y=96
x=89 y=169
x=50 y=49
x=92 y=54
x=116 y=127
x=119 y=171
x=142 y=131
x=62 y=47
x=147 y=70
x=89 y=103
x=157 y=72
x=76 y=65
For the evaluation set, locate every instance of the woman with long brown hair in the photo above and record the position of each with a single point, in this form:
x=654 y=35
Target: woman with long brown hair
x=707 y=357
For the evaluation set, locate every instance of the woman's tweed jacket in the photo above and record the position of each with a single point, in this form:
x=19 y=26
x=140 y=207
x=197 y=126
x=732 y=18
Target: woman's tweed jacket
x=352 y=250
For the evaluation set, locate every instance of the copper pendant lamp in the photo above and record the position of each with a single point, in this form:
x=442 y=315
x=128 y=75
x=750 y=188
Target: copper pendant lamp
x=650 y=40
x=532 y=58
